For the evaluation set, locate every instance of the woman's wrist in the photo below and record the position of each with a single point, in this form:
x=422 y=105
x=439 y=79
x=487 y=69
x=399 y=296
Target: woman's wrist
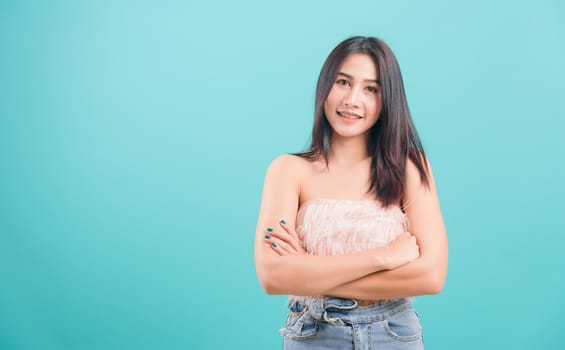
x=379 y=259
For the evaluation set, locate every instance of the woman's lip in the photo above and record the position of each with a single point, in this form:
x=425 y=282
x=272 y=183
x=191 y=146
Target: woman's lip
x=348 y=114
x=348 y=120
x=342 y=116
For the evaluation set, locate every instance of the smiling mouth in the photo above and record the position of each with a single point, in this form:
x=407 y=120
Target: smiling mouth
x=348 y=115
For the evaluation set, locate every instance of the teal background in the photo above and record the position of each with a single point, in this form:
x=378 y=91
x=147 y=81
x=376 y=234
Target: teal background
x=134 y=137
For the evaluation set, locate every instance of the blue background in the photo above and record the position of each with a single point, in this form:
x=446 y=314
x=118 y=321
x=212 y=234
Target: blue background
x=135 y=135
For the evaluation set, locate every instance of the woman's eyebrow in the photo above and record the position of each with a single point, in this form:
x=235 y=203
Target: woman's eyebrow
x=349 y=76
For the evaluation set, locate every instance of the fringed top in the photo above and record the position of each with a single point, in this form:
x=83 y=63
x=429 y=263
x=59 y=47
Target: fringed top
x=339 y=226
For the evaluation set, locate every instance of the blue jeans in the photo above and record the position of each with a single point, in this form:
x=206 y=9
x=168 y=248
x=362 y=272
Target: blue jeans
x=335 y=323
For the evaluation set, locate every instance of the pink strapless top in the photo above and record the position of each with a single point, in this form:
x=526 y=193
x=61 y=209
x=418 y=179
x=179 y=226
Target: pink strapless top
x=339 y=226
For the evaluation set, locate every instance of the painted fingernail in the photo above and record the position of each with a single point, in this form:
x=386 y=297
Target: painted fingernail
x=270 y=229
x=274 y=244
x=283 y=222
x=267 y=236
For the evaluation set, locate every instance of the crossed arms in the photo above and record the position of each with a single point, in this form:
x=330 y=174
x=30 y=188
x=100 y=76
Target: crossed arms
x=413 y=264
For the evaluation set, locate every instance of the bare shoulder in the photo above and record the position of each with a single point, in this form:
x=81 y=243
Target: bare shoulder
x=281 y=190
x=416 y=190
x=413 y=175
x=289 y=165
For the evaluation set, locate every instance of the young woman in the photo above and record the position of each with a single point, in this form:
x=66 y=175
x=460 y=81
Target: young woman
x=352 y=228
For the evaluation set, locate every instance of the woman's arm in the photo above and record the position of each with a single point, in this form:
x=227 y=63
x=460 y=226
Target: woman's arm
x=426 y=274
x=302 y=274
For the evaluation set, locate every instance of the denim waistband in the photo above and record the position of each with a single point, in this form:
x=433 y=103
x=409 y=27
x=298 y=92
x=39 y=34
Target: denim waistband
x=338 y=312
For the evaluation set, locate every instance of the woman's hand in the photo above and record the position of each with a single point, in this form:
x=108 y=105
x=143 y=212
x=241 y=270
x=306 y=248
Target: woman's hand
x=285 y=241
x=402 y=250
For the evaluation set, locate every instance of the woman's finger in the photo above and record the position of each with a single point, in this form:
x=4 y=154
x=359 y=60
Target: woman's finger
x=281 y=247
x=294 y=235
x=287 y=239
x=289 y=230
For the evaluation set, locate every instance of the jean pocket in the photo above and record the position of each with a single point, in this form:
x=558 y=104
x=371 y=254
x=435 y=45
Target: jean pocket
x=404 y=326
x=299 y=325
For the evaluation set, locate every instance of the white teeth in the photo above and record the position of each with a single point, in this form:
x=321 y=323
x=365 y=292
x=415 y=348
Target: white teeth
x=348 y=116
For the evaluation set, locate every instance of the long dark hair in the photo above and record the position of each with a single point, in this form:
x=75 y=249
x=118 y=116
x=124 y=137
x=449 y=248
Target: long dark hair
x=392 y=139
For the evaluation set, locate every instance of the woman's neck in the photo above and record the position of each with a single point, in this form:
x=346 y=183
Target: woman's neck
x=346 y=151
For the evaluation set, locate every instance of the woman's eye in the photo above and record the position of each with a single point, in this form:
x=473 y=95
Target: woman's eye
x=342 y=82
x=372 y=89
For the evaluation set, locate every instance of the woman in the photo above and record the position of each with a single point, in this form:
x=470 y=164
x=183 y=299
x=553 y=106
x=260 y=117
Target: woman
x=369 y=231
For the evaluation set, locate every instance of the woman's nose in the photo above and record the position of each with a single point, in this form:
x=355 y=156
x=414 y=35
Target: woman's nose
x=351 y=98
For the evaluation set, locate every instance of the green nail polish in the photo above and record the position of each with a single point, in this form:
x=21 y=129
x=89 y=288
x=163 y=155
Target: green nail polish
x=267 y=236
x=283 y=222
x=274 y=244
x=270 y=229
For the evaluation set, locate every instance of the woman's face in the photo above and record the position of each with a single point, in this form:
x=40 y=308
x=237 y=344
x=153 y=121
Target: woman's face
x=354 y=102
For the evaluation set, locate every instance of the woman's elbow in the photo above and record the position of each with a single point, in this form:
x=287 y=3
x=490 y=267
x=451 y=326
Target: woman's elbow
x=269 y=286
x=435 y=283
x=268 y=281
x=432 y=277
x=435 y=280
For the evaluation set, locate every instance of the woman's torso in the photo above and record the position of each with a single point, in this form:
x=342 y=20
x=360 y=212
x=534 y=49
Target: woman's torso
x=337 y=215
